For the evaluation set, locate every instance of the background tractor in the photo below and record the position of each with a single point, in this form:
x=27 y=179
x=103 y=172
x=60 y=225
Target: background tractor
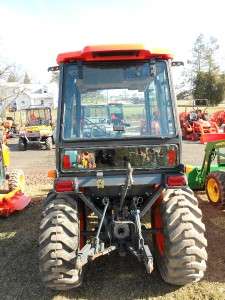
x=38 y=128
x=195 y=125
x=107 y=184
x=219 y=118
x=12 y=185
x=211 y=175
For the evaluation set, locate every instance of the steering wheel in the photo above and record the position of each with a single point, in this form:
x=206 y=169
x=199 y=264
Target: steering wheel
x=95 y=125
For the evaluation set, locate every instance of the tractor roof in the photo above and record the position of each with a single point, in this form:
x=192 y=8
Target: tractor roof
x=113 y=53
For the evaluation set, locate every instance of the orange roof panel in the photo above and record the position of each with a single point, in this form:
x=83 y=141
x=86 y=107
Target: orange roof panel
x=115 y=52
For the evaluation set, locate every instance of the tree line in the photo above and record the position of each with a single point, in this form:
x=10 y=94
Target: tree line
x=205 y=77
x=9 y=75
x=10 y=72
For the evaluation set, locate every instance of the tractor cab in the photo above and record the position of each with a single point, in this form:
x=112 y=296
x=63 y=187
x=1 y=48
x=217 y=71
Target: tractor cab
x=116 y=113
x=38 y=116
x=94 y=85
x=117 y=97
x=118 y=160
x=37 y=128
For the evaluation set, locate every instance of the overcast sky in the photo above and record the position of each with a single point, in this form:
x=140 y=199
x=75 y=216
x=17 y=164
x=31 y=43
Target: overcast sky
x=33 y=32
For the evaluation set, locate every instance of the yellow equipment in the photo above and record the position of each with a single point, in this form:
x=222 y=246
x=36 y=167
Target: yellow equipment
x=38 y=128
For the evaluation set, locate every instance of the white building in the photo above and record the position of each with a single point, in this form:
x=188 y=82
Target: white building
x=19 y=96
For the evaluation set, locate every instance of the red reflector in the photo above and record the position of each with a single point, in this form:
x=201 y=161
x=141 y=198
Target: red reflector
x=177 y=180
x=66 y=162
x=171 y=157
x=64 y=186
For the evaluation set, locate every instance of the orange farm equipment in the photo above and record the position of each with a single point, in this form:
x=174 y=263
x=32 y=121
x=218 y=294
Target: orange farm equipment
x=118 y=165
x=195 y=126
x=12 y=184
x=218 y=117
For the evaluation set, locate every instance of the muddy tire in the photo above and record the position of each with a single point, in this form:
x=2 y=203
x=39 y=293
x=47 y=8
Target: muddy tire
x=215 y=188
x=59 y=243
x=21 y=145
x=16 y=180
x=180 y=248
x=48 y=143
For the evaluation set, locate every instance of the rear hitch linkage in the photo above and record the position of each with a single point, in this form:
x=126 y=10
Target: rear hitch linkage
x=144 y=252
x=129 y=181
x=95 y=249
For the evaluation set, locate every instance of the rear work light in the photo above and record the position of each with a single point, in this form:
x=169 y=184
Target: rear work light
x=176 y=180
x=64 y=186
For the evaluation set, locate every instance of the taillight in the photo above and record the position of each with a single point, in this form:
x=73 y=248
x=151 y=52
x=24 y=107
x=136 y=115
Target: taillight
x=176 y=180
x=66 y=162
x=64 y=185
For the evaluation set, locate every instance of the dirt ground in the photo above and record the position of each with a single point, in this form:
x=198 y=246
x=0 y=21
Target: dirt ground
x=108 y=277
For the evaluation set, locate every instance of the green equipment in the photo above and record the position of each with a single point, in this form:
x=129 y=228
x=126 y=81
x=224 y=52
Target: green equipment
x=211 y=175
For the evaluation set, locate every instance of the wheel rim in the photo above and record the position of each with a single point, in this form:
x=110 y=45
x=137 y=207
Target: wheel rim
x=158 y=225
x=213 y=190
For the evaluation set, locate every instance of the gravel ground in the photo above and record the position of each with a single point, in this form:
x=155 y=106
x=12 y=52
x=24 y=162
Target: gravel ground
x=110 y=277
x=192 y=153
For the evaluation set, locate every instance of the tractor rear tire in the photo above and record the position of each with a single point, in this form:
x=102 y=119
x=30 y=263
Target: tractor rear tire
x=48 y=143
x=59 y=243
x=180 y=247
x=215 y=188
x=16 y=180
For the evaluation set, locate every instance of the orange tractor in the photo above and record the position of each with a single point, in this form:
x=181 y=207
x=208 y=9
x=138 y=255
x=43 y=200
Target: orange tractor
x=196 y=126
x=110 y=174
x=219 y=118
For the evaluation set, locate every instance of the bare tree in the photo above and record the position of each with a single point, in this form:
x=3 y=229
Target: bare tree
x=12 y=77
x=26 y=79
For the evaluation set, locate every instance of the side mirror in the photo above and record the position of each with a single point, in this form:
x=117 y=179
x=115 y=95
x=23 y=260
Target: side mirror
x=177 y=63
x=53 y=69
